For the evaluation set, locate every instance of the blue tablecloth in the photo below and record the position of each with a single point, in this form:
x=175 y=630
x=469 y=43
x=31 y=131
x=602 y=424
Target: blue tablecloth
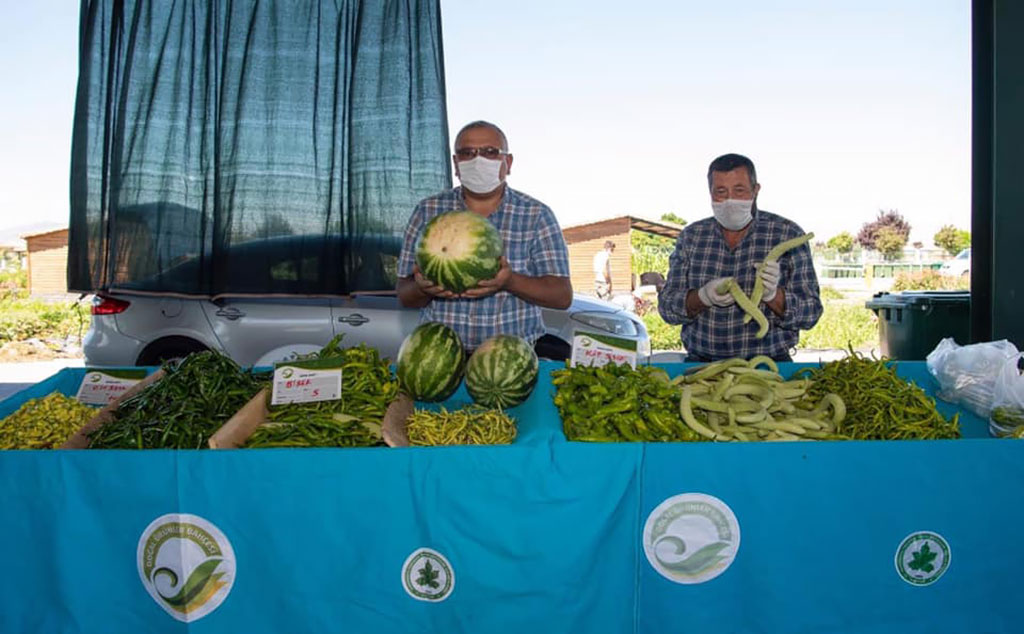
x=543 y=535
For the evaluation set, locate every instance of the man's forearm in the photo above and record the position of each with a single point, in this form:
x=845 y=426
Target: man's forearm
x=778 y=303
x=549 y=291
x=694 y=306
x=410 y=295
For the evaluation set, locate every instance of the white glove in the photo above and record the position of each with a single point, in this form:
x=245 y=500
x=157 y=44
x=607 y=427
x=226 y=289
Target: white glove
x=709 y=295
x=770 y=279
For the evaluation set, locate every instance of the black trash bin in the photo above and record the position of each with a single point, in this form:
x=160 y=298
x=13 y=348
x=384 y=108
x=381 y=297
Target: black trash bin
x=912 y=323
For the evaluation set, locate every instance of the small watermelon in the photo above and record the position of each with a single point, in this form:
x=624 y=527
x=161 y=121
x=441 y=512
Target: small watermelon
x=502 y=372
x=458 y=249
x=430 y=362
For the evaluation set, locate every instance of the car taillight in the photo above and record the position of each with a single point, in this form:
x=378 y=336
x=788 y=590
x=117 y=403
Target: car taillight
x=102 y=305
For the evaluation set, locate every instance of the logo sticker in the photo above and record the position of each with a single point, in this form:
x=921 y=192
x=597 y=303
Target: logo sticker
x=922 y=558
x=691 y=538
x=186 y=564
x=427 y=575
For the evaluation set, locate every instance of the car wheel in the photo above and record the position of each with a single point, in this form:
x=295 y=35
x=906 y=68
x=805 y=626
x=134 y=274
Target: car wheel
x=168 y=348
x=550 y=347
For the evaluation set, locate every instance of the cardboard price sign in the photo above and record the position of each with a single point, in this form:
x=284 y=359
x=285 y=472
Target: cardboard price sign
x=306 y=381
x=591 y=349
x=99 y=387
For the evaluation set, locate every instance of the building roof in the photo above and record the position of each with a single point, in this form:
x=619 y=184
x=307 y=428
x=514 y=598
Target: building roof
x=36 y=234
x=619 y=224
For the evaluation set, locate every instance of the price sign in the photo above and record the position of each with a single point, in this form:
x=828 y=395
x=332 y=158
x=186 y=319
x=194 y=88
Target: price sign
x=99 y=387
x=306 y=381
x=591 y=349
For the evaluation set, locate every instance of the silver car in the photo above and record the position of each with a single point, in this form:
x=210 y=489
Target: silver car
x=129 y=328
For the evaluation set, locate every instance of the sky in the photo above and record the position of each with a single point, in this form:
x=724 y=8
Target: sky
x=847 y=107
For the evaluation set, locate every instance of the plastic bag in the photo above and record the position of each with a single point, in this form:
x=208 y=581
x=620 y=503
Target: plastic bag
x=1007 y=415
x=967 y=374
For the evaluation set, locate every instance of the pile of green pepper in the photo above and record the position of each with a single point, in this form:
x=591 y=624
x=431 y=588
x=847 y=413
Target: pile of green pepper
x=183 y=409
x=367 y=388
x=879 y=404
x=616 y=403
x=44 y=422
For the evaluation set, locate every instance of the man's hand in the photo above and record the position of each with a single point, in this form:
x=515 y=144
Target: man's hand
x=770 y=279
x=491 y=286
x=428 y=287
x=709 y=295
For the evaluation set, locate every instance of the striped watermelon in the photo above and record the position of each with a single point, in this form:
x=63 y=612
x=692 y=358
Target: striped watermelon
x=502 y=372
x=458 y=249
x=430 y=362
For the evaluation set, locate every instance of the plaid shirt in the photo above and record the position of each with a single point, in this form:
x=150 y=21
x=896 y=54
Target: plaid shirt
x=533 y=246
x=702 y=255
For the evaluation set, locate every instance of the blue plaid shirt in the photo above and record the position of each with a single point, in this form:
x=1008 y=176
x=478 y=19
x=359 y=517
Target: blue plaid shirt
x=533 y=246
x=701 y=255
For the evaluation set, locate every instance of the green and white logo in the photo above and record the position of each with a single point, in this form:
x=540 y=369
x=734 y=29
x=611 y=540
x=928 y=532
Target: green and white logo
x=186 y=564
x=922 y=558
x=691 y=538
x=427 y=575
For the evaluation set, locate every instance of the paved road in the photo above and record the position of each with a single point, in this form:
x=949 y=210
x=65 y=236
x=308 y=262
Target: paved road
x=15 y=377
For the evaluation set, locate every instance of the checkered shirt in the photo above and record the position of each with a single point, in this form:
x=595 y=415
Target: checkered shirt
x=533 y=246
x=701 y=255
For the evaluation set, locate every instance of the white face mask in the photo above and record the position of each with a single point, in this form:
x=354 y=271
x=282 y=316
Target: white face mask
x=480 y=175
x=733 y=214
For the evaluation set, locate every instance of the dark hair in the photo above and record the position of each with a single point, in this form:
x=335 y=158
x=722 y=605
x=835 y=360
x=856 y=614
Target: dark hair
x=472 y=125
x=608 y=244
x=729 y=162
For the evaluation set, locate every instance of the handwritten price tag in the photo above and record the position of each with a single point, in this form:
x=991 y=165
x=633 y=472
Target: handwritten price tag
x=306 y=382
x=590 y=349
x=99 y=387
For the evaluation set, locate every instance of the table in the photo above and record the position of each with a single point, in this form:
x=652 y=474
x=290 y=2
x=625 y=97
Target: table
x=543 y=535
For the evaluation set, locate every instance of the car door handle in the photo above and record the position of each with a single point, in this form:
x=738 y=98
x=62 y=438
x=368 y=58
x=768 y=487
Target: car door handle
x=355 y=319
x=230 y=313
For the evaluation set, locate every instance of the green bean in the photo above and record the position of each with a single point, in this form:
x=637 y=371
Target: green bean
x=870 y=401
x=468 y=426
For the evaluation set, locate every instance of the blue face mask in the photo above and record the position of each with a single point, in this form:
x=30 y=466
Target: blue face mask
x=733 y=214
x=480 y=175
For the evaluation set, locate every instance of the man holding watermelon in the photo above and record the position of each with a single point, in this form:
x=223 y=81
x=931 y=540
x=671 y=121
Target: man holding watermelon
x=742 y=243
x=489 y=270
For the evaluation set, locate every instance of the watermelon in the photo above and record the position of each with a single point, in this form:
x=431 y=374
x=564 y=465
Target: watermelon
x=502 y=372
x=430 y=362
x=458 y=249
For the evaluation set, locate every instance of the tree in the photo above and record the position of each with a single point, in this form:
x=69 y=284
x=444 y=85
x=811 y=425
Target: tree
x=671 y=217
x=951 y=239
x=842 y=242
x=889 y=242
x=868 y=234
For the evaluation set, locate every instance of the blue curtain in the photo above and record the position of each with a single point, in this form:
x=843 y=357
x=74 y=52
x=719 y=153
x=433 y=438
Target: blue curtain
x=252 y=147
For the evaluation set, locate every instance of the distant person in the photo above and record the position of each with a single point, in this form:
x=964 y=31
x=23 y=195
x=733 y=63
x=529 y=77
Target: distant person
x=603 y=271
x=534 y=270
x=733 y=243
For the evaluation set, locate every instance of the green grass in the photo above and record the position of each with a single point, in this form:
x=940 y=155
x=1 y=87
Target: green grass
x=842 y=324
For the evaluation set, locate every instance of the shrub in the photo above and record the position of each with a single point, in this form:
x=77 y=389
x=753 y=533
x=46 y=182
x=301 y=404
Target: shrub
x=22 y=319
x=929 y=280
x=663 y=336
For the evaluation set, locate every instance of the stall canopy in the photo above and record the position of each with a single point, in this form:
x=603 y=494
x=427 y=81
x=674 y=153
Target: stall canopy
x=210 y=136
